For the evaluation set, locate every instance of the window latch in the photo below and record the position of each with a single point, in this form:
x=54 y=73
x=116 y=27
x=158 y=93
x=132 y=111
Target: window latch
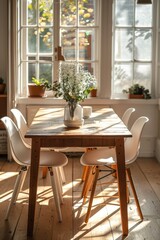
x=58 y=54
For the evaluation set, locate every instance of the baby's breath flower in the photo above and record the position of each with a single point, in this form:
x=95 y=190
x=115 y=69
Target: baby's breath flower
x=75 y=83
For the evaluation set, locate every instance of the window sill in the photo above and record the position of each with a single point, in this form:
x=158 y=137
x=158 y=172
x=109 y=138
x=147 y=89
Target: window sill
x=88 y=101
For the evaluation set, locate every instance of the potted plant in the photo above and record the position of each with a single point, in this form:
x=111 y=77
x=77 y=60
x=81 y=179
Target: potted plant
x=93 y=92
x=38 y=87
x=2 y=85
x=137 y=91
x=74 y=86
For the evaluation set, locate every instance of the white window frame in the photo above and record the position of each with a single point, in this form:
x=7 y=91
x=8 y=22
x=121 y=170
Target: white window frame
x=22 y=89
x=104 y=53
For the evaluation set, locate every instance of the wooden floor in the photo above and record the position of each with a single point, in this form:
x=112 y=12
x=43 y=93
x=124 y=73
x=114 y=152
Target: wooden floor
x=105 y=219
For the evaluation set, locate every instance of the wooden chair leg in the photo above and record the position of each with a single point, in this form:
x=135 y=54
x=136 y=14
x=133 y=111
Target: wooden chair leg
x=92 y=194
x=88 y=183
x=88 y=171
x=44 y=172
x=134 y=193
x=84 y=173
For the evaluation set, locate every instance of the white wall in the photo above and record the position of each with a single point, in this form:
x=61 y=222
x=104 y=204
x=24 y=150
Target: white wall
x=147 y=108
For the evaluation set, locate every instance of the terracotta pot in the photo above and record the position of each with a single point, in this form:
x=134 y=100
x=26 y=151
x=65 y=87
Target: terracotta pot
x=36 y=91
x=93 y=93
x=2 y=88
x=136 y=96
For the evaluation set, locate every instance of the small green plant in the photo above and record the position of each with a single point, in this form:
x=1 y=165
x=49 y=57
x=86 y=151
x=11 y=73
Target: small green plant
x=42 y=81
x=138 y=89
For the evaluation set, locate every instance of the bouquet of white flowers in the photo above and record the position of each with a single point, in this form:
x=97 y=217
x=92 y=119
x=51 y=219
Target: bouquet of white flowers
x=75 y=83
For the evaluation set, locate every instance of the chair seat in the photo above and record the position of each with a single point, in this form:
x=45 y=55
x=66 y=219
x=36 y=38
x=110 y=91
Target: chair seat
x=47 y=158
x=99 y=157
x=51 y=159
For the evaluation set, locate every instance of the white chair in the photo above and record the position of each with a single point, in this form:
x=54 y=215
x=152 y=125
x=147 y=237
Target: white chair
x=22 y=126
x=21 y=154
x=126 y=115
x=125 y=118
x=106 y=157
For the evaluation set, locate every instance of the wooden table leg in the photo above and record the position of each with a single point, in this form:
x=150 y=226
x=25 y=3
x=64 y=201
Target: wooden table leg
x=121 y=178
x=35 y=153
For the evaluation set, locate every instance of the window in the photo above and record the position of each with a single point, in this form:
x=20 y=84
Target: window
x=119 y=55
x=132 y=45
x=45 y=25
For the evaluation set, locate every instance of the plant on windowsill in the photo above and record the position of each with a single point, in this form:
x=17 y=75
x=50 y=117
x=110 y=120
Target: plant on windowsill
x=2 y=86
x=93 y=92
x=38 y=87
x=74 y=86
x=137 y=91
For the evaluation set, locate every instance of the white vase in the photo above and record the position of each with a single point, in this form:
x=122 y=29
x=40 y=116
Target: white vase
x=73 y=115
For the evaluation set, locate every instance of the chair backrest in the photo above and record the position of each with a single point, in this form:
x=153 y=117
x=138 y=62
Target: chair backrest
x=21 y=124
x=132 y=145
x=127 y=114
x=20 y=153
x=23 y=127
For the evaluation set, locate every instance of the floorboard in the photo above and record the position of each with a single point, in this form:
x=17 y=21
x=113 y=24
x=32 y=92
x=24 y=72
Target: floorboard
x=104 y=223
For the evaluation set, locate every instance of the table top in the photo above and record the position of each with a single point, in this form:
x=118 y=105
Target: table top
x=103 y=122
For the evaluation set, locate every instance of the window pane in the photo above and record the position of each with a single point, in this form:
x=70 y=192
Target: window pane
x=32 y=12
x=124 y=12
x=32 y=40
x=124 y=44
x=86 y=44
x=143 y=16
x=45 y=71
x=46 y=40
x=45 y=12
x=89 y=67
x=68 y=12
x=143 y=74
x=68 y=38
x=143 y=40
x=123 y=75
x=86 y=12
x=31 y=71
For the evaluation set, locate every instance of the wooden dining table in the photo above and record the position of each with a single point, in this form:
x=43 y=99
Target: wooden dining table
x=103 y=128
